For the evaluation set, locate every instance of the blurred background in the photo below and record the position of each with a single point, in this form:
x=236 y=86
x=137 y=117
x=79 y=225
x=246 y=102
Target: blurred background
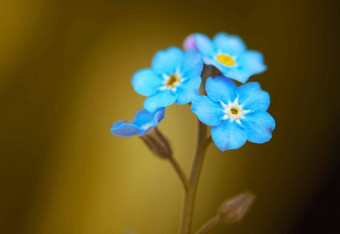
x=65 y=69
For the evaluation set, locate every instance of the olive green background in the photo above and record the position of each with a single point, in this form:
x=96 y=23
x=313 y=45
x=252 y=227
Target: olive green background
x=65 y=69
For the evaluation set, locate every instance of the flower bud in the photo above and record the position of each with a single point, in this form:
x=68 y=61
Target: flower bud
x=234 y=209
x=157 y=143
x=189 y=43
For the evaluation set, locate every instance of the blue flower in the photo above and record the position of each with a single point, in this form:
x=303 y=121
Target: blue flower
x=142 y=123
x=236 y=114
x=174 y=77
x=229 y=54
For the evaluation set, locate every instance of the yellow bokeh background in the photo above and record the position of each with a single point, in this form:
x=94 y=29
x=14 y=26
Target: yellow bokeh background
x=65 y=69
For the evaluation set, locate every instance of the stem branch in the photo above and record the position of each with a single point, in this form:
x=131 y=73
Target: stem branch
x=180 y=173
x=208 y=226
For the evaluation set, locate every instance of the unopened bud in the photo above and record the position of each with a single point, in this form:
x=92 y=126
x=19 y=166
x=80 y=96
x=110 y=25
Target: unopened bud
x=189 y=43
x=234 y=209
x=157 y=143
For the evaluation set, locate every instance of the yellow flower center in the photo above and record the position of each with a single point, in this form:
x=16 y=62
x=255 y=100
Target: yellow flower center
x=173 y=81
x=225 y=60
x=234 y=110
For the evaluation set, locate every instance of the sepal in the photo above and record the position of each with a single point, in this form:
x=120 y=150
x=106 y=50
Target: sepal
x=157 y=143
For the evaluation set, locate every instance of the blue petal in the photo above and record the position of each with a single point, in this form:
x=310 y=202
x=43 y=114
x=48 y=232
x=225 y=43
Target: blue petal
x=159 y=115
x=192 y=64
x=160 y=99
x=145 y=82
x=207 y=111
x=188 y=90
x=235 y=73
x=252 y=62
x=124 y=129
x=259 y=126
x=229 y=44
x=221 y=89
x=146 y=120
x=247 y=64
x=252 y=97
x=167 y=61
x=228 y=135
x=143 y=117
x=204 y=44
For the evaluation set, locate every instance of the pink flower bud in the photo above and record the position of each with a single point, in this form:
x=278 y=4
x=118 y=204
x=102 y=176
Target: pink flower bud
x=189 y=43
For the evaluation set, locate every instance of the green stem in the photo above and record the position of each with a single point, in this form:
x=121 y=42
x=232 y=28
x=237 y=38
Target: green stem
x=209 y=225
x=180 y=173
x=190 y=194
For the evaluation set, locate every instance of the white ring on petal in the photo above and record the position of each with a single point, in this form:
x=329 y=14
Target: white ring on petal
x=234 y=106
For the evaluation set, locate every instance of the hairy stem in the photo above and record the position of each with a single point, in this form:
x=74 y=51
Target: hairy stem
x=202 y=143
x=190 y=194
x=180 y=173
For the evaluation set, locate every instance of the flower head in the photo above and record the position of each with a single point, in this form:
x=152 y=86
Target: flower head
x=229 y=54
x=174 y=77
x=236 y=114
x=143 y=122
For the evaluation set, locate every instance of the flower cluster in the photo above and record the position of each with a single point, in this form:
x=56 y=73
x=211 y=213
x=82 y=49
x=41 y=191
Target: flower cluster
x=235 y=114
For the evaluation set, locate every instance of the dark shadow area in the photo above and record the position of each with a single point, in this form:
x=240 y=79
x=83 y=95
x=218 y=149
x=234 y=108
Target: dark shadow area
x=322 y=214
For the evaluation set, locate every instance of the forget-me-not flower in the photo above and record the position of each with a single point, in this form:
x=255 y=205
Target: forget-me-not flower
x=143 y=122
x=173 y=77
x=236 y=114
x=229 y=54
